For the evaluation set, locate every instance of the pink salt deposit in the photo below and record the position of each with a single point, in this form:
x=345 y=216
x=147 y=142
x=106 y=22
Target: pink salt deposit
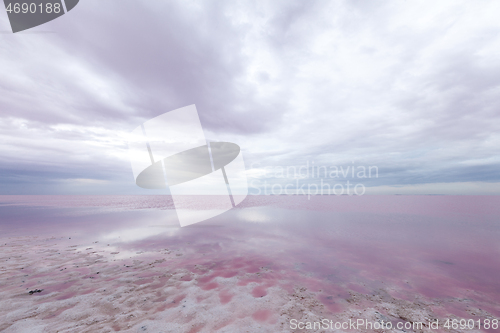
x=129 y=268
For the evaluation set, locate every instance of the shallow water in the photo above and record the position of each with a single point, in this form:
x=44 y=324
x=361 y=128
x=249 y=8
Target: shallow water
x=338 y=254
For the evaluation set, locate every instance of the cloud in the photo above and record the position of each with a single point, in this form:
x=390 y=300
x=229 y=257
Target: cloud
x=409 y=87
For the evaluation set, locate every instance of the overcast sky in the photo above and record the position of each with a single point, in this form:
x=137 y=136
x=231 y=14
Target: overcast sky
x=411 y=87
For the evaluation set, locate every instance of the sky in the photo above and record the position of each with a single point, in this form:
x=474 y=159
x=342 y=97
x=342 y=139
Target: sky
x=410 y=88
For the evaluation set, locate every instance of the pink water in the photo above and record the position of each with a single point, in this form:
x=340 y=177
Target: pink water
x=441 y=249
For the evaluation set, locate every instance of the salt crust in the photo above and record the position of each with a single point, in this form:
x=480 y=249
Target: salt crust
x=89 y=291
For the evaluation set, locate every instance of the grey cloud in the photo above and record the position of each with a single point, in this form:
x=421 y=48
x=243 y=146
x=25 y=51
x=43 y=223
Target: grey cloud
x=169 y=57
x=412 y=90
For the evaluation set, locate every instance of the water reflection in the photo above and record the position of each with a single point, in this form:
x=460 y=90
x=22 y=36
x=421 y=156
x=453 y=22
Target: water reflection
x=435 y=253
